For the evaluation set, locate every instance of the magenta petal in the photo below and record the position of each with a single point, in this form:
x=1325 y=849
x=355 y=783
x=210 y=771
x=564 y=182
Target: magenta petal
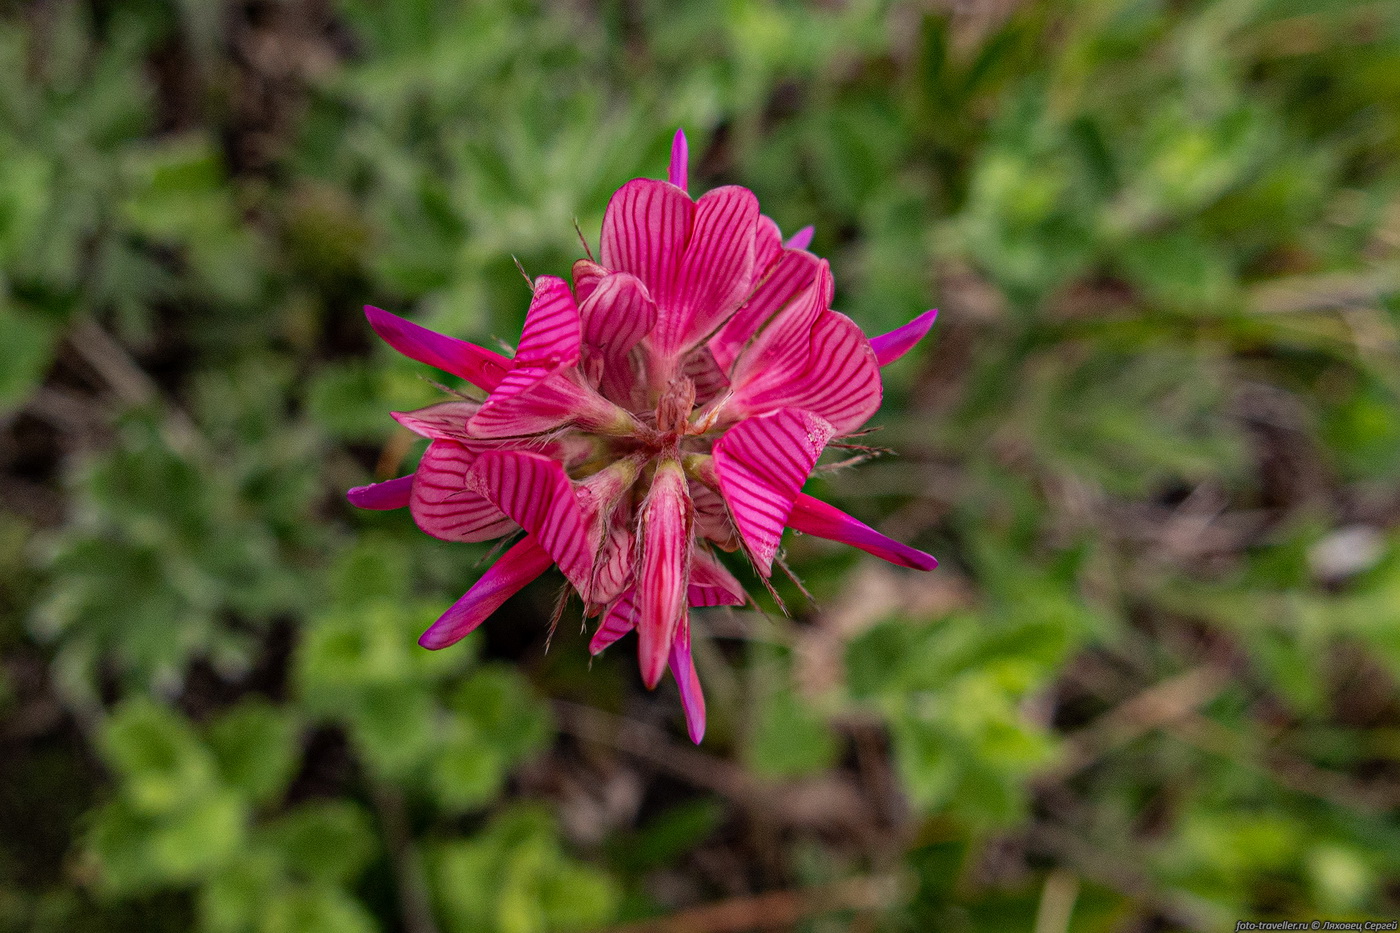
x=788 y=282
x=711 y=583
x=475 y=364
x=680 y=156
x=529 y=400
x=620 y=619
x=890 y=347
x=761 y=464
x=392 y=494
x=445 y=420
x=551 y=335
x=692 y=698
x=815 y=517
x=767 y=247
x=664 y=526
x=801 y=239
x=645 y=230
x=525 y=561
x=443 y=503
x=536 y=492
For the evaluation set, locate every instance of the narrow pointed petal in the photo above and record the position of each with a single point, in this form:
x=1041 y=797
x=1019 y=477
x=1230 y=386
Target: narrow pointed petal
x=443 y=502
x=761 y=465
x=551 y=336
x=890 y=347
x=713 y=277
x=620 y=619
x=525 y=561
x=801 y=239
x=443 y=421
x=392 y=494
x=692 y=698
x=788 y=298
x=815 y=517
x=664 y=527
x=711 y=583
x=533 y=400
x=680 y=157
x=645 y=230
x=477 y=365
x=840 y=382
x=536 y=493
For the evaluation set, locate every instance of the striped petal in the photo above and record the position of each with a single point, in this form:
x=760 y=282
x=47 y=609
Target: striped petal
x=617 y=315
x=443 y=502
x=551 y=335
x=664 y=527
x=620 y=619
x=477 y=365
x=692 y=699
x=525 y=561
x=711 y=583
x=761 y=465
x=536 y=493
x=890 y=347
x=712 y=521
x=787 y=294
x=645 y=230
x=392 y=494
x=680 y=158
x=814 y=517
x=586 y=275
x=443 y=421
x=533 y=400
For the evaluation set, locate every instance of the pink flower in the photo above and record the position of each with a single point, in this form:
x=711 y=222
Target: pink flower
x=672 y=402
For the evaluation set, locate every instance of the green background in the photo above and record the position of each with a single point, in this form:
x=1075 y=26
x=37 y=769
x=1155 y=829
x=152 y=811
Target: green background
x=1154 y=439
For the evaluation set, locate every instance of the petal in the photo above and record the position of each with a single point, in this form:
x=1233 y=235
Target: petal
x=713 y=277
x=767 y=247
x=711 y=583
x=680 y=156
x=443 y=502
x=586 y=274
x=786 y=293
x=761 y=465
x=533 y=400
x=475 y=364
x=841 y=380
x=525 y=561
x=645 y=229
x=801 y=239
x=537 y=494
x=664 y=527
x=443 y=421
x=392 y=494
x=620 y=619
x=692 y=699
x=617 y=315
x=702 y=370
x=890 y=347
x=552 y=333
x=815 y=517
x=712 y=520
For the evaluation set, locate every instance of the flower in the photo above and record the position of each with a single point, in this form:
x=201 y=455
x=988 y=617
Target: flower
x=670 y=403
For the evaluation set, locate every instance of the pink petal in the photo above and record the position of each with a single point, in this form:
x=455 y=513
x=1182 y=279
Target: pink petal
x=680 y=156
x=536 y=493
x=767 y=247
x=711 y=583
x=841 y=380
x=786 y=291
x=444 y=504
x=586 y=274
x=702 y=370
x=692 y=699
x=815 y=517
x=617 y=315
x=552 y=330
x=761 y=465
x=712 y=520
x=475 y=364
x=664 y=527
x=533 y=400
x=713 y=277
x=890 y=347
x=801 y=239
x=645 y=230
x=445 y=420
x=620 y=619
x=392 y=494
x=525 y=561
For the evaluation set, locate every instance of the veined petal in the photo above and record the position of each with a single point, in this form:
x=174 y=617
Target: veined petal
x=890 y=347
x=801 y=239
x=537 y=494
x=692 y=698
x=620 y=619
x=767 y=247
x=532 y=400
x=477 y=365
x=680 y=157
x=712 y=520
x=443 y=421
x=617 y=315
x=713 y=277
x=664 y=528
x=701 y=369
x=814 y=517
x=443 y=502
x=525 y=561
x=551 y=335
x=645 y=230
x=761 y=465
x=840 y=382
x=392 y=494
x=787 y=295
x=586 y=275
x=711 y=583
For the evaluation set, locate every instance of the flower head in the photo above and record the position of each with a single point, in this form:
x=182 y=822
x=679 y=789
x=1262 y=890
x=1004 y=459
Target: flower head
x=671 y=402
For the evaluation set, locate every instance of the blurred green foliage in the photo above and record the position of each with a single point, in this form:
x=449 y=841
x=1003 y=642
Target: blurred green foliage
x=1155 y=440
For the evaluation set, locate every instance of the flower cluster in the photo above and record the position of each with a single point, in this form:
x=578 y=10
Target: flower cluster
x=671 y=402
